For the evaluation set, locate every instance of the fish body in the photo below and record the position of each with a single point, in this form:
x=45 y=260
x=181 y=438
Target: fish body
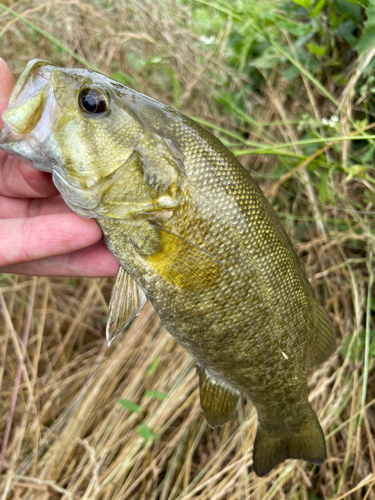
x=193 y=233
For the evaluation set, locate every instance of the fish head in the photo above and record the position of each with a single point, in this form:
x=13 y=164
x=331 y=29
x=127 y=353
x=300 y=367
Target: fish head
x=84 y=128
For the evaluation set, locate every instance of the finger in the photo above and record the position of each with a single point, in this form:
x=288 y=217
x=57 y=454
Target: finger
x=28 y=239
x=17 y=179
x=95 y=261
x=6 y=86
x=12 y=208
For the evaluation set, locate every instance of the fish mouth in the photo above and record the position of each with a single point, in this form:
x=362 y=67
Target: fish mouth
x=35 y=70
x=28 y=98
x=31 y=116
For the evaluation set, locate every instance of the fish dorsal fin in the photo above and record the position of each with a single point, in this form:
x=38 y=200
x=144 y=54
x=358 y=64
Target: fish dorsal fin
x=127 y=300
x=218 y=401
x=183 y=263
x=323 y=339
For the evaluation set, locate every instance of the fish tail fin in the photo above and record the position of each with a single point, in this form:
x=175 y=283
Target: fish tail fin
x=272 y=448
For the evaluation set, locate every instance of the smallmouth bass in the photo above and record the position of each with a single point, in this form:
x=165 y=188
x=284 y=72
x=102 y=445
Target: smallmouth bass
x=193 y=233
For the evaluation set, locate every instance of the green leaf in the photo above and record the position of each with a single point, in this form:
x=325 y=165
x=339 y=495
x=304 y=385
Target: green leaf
x=304 y=3
x=367 y=38
x=316 y=50
x=5 y=276
x=311 y=495
x=146 y=432
x=295 y=28
x=291 y=73
x=318 y=8
x=355 y=171
x=345 y=347
x=73 y=283
x=267 y=60
x=348 y=8
x=333 y=20
x=129 y=405
x=153 y=60
x=346 y=29
x=176 y=87
x=358 y=345
x=323 y=188
x=156 y=394
x=153 y=367
x=246 y=44
x=368 y=155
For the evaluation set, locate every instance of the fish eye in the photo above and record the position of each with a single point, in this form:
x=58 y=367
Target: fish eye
x=93 y=101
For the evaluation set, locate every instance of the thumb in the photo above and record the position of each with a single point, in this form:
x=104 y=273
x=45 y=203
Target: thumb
x=6 y=85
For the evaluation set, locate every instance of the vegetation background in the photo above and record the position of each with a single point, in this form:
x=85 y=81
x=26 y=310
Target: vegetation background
x=289 y=87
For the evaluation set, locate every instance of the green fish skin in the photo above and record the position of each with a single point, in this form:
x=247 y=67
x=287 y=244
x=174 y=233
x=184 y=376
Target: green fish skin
x=193 y=233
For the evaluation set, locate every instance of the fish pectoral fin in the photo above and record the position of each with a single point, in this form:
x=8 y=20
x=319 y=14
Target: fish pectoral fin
x=182 y=263
x=324 y=339
x=306 y=443
x=162 y=162
x=218 y=401
x=126 y=302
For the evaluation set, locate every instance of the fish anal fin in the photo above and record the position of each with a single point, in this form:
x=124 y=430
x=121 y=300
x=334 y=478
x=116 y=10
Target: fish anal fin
x=183 y=263
x=218 y=401
x=323 y=340
x=272 y=448
x=126 y=302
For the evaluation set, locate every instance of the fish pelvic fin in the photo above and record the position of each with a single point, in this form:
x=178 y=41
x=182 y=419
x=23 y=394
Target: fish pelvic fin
x=218 y=401
x=323 y=341
x=272 y=448
x=127 y=300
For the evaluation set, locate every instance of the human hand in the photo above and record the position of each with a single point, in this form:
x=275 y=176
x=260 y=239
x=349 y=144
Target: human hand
x=40 y=235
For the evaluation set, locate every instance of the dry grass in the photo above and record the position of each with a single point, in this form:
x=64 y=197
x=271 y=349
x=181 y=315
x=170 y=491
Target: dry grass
x=70 y=437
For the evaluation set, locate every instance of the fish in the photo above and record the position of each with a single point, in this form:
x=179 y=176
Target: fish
x=195 y=235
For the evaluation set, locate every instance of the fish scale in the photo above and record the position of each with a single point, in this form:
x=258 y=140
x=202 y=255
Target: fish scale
x=193 y=233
